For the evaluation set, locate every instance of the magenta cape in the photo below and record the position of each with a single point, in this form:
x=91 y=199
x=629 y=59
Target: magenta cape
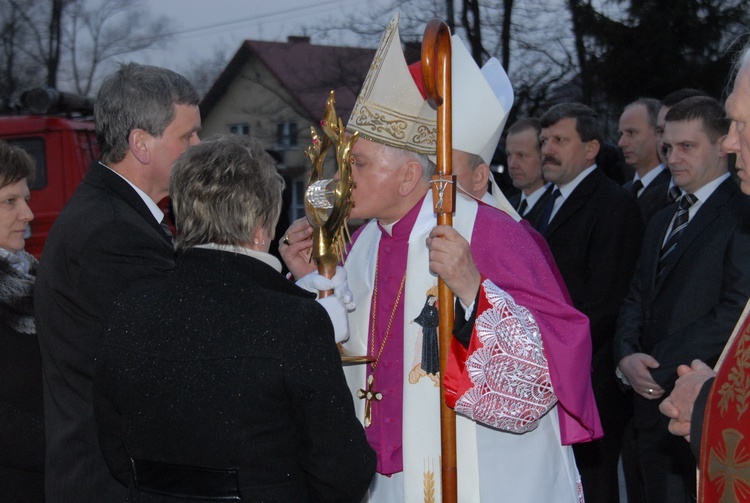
x=517 y=259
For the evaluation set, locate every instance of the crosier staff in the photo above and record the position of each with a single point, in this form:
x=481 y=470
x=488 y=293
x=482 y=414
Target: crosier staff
x=436 y=71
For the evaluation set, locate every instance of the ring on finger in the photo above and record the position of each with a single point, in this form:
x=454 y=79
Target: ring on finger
x=650 y=391
x=286 y=240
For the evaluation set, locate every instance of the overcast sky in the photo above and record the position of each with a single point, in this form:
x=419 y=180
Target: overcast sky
x=203 y=26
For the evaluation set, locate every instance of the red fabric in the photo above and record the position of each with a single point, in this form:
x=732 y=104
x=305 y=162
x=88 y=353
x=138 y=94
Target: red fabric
x=455 y=373
x=416 y=73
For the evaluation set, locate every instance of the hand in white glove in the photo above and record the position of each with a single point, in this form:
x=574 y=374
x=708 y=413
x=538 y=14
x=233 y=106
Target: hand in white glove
x=341 y=289
x=316 y=283
x=340 y=320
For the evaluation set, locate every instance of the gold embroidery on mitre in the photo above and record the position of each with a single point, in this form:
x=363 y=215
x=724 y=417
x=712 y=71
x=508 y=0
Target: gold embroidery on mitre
x=729 y=466
x=737 y=387
x=429 y=483
x=390 y=108
x=378 y=123
x=426 y=135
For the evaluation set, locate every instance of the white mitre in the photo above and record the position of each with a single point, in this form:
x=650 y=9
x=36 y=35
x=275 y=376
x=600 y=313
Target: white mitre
x=390 y=108
x=482 y=100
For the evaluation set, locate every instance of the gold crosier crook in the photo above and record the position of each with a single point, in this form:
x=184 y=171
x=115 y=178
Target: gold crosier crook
x=436 y=72
x=329 y=201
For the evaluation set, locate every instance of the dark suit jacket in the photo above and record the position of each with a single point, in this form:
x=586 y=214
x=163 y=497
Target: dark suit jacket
x=654 y=197
x=226 y=364
x=103 y=241
x=595 y=237
x=691 y=311
x=533 y=214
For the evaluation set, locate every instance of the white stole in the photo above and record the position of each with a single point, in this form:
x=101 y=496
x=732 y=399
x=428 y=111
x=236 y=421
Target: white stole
x=421 y=408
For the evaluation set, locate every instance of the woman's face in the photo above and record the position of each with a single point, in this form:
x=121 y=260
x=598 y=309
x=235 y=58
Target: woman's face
x=15 y=215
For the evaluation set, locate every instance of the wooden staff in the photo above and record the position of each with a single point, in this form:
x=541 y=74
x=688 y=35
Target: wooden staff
x=436 y=72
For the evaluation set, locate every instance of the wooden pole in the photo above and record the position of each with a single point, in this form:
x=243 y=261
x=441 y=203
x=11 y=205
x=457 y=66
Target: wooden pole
x=436 y=72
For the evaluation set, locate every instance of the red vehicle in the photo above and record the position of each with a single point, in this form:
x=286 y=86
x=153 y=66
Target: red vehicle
x=57 y=129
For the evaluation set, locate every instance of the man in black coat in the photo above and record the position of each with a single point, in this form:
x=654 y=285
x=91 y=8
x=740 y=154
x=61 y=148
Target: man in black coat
x=638 y=141
x=594 y=230
x=688 y=292
x=525 y=169
x=107 y=238
x=223 y=381
x=649 y=187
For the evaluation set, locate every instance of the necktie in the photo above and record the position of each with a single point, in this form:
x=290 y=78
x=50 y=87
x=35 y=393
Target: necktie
x=545 y=218
x=637 y=185
x=681 y=219
x=673 y=194
x=522 y=207
x=167 y=231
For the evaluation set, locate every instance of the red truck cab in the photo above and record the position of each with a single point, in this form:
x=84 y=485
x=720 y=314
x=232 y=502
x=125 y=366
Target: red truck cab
x=57 y=130
x=63 y=148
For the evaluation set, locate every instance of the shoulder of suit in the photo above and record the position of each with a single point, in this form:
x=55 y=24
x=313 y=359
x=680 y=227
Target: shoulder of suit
x=607 y=188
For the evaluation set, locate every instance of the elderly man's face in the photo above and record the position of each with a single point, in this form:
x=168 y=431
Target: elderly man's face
x=738 y=138
x=375 y=170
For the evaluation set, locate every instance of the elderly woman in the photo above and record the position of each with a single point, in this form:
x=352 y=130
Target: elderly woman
x=21 y=416
x=224 y=380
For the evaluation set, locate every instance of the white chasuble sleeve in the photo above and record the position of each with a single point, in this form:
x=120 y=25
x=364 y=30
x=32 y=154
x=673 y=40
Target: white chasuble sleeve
x=503 y=377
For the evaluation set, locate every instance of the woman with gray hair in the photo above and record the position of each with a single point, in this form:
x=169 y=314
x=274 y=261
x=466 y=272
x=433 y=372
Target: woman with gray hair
x=224 y=381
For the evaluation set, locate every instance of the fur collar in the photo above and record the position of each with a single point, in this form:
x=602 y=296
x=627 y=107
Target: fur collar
x=17 y=295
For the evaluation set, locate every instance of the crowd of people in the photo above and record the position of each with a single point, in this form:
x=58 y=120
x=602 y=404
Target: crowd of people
x=596 y=322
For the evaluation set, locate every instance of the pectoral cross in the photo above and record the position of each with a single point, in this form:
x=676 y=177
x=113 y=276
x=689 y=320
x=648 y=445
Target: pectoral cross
x=368 y=395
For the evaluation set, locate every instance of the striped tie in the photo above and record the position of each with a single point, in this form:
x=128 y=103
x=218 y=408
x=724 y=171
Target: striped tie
x=673 y=194
x=681 y=220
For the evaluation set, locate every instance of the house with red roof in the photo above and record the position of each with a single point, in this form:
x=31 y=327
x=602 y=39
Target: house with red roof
x=276 y=91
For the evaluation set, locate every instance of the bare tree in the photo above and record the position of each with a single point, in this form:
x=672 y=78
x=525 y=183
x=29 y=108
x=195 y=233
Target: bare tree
x=505 y=33
x=66 y=43
x=53 y=41
x=204 y=72
x=97 y=34
x=472 y=25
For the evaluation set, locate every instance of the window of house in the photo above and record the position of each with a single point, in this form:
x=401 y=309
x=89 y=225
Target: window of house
x=241 y=128
x=286 y=135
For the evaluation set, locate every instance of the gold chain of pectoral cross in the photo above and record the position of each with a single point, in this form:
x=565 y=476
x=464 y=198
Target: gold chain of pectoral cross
x=368 y=394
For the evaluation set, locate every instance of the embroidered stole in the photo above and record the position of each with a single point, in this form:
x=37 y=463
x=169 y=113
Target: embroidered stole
x=724 y=470
x=421 y=401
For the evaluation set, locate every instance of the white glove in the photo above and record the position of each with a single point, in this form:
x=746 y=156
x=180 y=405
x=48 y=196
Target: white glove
x=340 y=320
x=315 y=283
x=341 y=289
